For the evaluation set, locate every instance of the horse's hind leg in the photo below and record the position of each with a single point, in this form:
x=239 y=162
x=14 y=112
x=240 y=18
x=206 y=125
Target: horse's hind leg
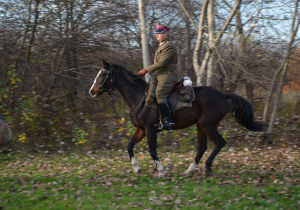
x=137 y=137
x=201 y=148
x=152 y=142
x=219 y=142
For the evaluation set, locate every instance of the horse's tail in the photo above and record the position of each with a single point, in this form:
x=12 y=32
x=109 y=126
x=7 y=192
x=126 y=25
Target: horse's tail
x=242 y=111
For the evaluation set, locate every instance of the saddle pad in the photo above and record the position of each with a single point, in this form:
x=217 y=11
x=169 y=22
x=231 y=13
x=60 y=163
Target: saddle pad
x=179 y=105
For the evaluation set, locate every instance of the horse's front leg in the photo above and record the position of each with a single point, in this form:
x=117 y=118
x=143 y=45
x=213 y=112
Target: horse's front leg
x=201 y=148
x=152 y=142
x=137 y=137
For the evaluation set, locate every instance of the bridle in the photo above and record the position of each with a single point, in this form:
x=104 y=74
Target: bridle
x=110 y=90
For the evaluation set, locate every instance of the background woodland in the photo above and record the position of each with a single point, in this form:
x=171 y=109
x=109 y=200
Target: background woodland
x=50 y=52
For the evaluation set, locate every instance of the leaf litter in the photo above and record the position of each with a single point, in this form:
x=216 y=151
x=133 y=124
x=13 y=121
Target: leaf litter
x=267 y=176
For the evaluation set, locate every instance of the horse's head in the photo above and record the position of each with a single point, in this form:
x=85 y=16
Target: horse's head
x=103 y=81
x=112 y=77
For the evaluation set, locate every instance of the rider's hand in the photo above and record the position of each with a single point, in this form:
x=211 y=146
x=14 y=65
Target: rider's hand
x=142 y=72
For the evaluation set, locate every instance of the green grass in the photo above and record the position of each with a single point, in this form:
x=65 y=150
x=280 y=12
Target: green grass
x=105 y=181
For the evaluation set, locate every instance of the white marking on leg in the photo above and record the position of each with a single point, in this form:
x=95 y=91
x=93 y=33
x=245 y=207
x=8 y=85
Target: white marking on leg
x=135 y=165
x=191 y=169
x=160 y=168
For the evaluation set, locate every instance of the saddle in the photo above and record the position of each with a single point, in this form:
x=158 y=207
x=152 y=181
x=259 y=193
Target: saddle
x=181 y=96
x=181 y=93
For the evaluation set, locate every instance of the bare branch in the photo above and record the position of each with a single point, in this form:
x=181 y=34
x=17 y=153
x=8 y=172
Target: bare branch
x=188 y=15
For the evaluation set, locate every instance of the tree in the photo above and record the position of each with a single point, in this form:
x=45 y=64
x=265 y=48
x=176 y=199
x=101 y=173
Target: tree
x=188 y=37
x=201 y=71
x=211 y=66
x=199 y=42
x=144 y=38
x=281 y=74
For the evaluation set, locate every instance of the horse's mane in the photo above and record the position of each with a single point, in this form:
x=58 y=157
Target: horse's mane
x=137 y=79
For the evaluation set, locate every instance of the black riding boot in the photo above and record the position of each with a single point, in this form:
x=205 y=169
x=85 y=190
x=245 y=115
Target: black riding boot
x=165 y=110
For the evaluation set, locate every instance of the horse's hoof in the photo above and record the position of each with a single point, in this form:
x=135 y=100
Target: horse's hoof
x=139 y=172
x=208 y=173
x=161 y=175
x=188 y=173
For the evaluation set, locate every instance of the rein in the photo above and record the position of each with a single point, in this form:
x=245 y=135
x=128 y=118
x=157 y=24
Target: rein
x=137 y=109
x=110 y=93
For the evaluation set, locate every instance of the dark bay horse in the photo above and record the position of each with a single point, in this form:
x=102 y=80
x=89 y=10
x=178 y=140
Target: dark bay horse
x=208 y=109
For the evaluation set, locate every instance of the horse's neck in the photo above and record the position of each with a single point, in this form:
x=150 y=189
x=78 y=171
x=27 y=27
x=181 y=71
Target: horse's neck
x=132 y=96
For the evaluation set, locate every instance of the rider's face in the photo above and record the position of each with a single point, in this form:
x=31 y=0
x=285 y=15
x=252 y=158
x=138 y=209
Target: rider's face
x=161 y=37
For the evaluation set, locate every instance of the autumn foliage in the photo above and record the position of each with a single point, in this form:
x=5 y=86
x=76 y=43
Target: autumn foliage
x=293 y=74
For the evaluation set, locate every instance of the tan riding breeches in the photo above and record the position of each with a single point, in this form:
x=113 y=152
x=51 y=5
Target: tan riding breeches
x=161 y=86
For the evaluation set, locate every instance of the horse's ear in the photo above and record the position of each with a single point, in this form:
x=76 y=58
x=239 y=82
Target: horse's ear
x=105 y=64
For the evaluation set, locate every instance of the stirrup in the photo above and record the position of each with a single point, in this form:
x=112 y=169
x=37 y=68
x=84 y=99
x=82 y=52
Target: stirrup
x=159 y=126
x=164 y=126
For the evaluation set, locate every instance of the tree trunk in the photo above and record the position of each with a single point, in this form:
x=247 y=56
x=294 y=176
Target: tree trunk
x=187 y=58
x=197 y=50
x=23 y=71
x=211 y=66
x=29 y=46
x=248 y=87
x=30 y=43
x=281 y=68
x=144 y=38
x=276 y=104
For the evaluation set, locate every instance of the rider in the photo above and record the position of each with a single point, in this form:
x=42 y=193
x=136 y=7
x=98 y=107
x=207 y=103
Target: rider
x=164 y=74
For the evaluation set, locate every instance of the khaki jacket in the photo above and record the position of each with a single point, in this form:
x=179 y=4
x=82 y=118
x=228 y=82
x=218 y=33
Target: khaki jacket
x=165 y=59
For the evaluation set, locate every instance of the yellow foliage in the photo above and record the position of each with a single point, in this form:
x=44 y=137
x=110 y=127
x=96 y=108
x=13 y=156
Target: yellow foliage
x=22 y=138
x=13 y=81
x=120 y=129
x=82 y=141
x=122 y=120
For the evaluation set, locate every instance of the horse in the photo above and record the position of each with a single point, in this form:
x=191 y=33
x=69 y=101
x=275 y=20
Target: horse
x=208 y=109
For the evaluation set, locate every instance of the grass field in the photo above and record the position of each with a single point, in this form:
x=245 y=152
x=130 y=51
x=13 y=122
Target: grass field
x=255 y=178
